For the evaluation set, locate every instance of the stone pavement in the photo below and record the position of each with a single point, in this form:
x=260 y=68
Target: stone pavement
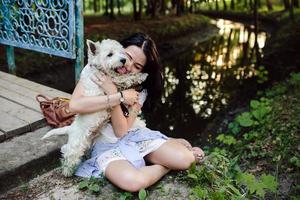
x=24 y=156
x=22 y=124
x=52 y=185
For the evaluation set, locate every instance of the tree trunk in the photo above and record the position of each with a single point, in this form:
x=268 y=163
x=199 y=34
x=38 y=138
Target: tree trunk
x=152 y=7
x=296 y=3
x=191 y=6
x=179 y=7
x=95 y=8
x=178 y=10
x=269 y=5
x=135 y=15
x=217 y=5
x=291 y=11
x=246 y=3
x=286 y=4
x=163 y=7
x=225 y=6
x=232 y=5
x=140 y=9
x=111 y=14
x=106 y=7
x=147 y=12
x=251 y=5
x=119 y=7
x=259 y=3
x=255 y=13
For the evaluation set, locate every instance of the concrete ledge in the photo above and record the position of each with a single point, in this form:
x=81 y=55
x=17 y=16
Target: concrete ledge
x=23 y=157
x=27 y=128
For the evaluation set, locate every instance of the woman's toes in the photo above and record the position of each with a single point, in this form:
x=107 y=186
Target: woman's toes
x=199 y=154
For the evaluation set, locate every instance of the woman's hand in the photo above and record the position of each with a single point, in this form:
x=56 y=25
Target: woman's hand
x=130 y=96
x=105 y=82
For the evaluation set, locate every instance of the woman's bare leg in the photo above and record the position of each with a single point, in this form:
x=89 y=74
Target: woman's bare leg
x=125 y=176
x=172 y=155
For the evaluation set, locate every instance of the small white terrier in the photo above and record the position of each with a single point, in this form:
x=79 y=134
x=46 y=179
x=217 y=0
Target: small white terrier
x=108 y=58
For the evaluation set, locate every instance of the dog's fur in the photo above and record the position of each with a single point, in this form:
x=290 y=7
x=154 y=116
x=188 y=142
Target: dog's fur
x=104 y=57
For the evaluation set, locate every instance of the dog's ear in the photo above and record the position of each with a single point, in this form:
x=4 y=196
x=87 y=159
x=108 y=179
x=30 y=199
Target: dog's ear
x=142 y=77
x=139 y=78
x=92 y=47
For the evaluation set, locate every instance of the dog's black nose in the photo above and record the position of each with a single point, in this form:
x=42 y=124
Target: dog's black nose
x=123 y=60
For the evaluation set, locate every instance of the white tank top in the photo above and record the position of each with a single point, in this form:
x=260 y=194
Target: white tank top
x=107 y=134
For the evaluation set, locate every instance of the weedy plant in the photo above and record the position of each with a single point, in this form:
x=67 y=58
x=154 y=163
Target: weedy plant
x=268 y=132
x=221 y=178
x=94 y=185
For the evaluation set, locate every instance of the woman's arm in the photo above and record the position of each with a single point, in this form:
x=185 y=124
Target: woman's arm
x=87 y=104
x=120 y=123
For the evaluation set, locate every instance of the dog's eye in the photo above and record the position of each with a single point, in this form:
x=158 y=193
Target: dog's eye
x=110 y=55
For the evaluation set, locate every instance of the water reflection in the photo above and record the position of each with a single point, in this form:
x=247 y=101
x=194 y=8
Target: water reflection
x=204 y=80
x=170 y=83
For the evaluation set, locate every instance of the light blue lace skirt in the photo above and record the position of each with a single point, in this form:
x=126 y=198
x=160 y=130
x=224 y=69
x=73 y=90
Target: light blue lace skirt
x=132 y=147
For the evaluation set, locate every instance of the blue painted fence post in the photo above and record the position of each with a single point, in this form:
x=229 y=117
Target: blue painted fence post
x=79 y=38
x=10 y=56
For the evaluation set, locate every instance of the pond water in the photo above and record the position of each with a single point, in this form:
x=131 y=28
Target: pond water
x=205 y=80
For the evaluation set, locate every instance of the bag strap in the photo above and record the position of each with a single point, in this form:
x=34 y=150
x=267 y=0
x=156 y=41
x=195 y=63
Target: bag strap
x=37 y=97
x=63 y=99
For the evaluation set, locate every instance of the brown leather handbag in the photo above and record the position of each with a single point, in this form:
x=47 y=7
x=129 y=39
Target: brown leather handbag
x=56 y=111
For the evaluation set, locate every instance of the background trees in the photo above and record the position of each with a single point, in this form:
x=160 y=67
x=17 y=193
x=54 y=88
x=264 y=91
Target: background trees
x=154 y=8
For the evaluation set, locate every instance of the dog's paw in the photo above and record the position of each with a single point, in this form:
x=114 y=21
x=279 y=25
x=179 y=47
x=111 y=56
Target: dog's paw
x=68 y=170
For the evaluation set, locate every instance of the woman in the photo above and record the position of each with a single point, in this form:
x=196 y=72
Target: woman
x=119 y=152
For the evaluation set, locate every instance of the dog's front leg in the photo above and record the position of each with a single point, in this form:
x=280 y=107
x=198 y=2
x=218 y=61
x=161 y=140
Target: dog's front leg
x=72 y=154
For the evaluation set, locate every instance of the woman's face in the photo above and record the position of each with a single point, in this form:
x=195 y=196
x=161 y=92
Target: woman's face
x=136 y=59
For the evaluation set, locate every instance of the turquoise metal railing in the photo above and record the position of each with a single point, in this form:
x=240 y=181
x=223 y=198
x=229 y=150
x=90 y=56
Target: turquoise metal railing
x=50 y=26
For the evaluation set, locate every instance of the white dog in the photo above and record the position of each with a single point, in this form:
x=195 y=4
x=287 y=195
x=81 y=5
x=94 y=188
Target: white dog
x=107 y=57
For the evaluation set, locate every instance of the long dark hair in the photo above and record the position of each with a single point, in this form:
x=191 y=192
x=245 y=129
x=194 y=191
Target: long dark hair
x=154 y=81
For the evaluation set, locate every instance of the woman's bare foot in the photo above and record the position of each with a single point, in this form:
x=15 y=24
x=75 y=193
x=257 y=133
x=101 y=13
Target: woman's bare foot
x=199 y=154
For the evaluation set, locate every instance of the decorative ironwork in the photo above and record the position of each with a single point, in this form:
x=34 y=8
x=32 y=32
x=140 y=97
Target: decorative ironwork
x=42 y=25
